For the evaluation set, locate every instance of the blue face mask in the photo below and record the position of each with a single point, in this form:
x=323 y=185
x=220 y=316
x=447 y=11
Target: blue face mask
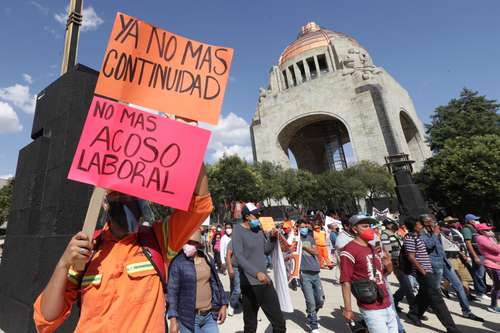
x=254 y=225
x=304 y=231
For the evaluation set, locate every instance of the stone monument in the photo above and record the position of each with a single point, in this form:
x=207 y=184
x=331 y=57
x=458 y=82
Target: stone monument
x=326 y=94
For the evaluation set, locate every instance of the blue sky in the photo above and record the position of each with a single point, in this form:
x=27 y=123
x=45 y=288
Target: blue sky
x=433 y=48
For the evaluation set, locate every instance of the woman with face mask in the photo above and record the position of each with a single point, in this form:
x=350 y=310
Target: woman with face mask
x=197 y=301
x=491 y=252
x=224 y=241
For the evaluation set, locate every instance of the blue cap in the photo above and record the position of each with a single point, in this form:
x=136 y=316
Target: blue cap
x=471 y=217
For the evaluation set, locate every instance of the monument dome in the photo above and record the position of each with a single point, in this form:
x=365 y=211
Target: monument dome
x=326 y=95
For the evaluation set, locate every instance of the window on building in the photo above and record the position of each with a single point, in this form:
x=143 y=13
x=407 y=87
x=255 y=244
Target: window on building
x=302 y=71
x=285 y=78
x=323 y=66
x=312 y=67
x=292 y=72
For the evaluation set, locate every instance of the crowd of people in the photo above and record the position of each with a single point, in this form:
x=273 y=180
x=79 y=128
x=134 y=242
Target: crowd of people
x=167 y=276
x=430 y=259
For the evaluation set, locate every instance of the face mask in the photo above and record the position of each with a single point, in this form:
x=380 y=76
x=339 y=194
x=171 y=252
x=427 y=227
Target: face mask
x=219 y=229
x=189 y=250
x=367 y=235
x=254 y=225
x=304 y=231
x=229 y=231
x=132 y=222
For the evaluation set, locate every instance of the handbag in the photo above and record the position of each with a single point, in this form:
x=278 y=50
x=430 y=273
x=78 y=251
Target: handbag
x=367 y=291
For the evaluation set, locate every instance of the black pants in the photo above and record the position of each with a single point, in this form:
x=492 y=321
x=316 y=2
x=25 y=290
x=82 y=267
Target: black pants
x=429 y=295
x=265 y=297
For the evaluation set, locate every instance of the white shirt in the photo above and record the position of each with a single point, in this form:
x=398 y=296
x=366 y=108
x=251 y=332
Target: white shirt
x=223 y=247
x=343 y=239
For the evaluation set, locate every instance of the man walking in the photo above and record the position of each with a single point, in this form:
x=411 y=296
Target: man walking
x=428 y=294
x=478 y=270
x=310 y=281
x=362 y=273
x=441 y=266
x=250 y=247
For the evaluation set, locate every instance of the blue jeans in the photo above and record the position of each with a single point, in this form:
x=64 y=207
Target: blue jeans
x=235 y=289
x=380 y=321
x=478 y=276
x=407 y=285
x=450 y=275
x=310 y=284
x=202 y=324
x=401 y=329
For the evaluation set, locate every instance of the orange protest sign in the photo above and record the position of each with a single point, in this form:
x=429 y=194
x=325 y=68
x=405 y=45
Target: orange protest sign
x=157 y=69
x=267 y=223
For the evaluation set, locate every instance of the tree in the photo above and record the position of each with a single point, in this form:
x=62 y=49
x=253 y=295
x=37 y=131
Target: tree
x=376 y=180
x=467 y=116
x=465 y=176
x=269 y=175
x=6 y=200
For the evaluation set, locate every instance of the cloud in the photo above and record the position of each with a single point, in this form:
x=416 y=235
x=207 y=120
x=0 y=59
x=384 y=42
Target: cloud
x=91 y=21
x=37 y=5
x=9 y=122
x=19 y=95
x=231 y=136
x=27 y=78
x=8 y=176
x=52 y=31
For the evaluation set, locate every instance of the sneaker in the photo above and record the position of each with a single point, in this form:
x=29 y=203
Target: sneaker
x=445 y=293
x=423 y=317
x=315 y=331
x=496 y=310
x=230 y=311
x=472 y=316
x=483 y=296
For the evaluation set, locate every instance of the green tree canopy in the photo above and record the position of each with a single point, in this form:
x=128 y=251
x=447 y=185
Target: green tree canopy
x=466 y=116
x=6 y=200
x=465 y=175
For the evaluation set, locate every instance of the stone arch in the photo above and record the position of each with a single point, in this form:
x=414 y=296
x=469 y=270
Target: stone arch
x=317 y=141
x=412 y=136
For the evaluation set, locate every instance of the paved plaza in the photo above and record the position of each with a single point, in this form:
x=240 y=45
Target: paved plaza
x=330 y=317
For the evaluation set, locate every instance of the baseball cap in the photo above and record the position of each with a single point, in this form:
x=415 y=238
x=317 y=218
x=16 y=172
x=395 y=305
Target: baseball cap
x=483 y=226
x=355 y=219
x=250 y=208
x=471 y=217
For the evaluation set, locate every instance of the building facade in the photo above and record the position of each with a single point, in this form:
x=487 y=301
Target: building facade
x=326 y=95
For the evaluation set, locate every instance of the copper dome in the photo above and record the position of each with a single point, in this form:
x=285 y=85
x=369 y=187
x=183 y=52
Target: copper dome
x=312 y=36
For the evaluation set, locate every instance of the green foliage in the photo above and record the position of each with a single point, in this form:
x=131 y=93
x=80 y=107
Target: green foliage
x=5 y=200
x=233 y=179
x=465 y=175
x=467 y=116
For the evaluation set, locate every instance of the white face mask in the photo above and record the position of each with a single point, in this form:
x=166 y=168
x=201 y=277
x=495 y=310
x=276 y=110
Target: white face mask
x=229 y=232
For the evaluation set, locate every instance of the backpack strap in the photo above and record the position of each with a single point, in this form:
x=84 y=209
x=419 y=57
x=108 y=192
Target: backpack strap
x=151 y=249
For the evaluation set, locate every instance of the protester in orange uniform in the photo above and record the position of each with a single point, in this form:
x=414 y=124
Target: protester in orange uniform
x=322 y=247
x=120 y=290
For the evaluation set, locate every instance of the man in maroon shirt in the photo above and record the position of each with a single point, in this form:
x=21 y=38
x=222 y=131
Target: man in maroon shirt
x=360 y=261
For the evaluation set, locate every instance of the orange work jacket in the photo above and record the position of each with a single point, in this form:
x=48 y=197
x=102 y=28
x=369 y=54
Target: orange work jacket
x=120 y=291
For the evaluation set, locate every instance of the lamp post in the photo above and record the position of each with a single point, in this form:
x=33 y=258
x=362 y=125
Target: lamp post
x=411 y=200
x=73 y=24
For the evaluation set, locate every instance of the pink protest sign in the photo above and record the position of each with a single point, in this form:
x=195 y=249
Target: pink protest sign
x=138 y=153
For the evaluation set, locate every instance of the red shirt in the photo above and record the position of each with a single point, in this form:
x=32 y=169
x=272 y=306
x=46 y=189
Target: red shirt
x=356 y=264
